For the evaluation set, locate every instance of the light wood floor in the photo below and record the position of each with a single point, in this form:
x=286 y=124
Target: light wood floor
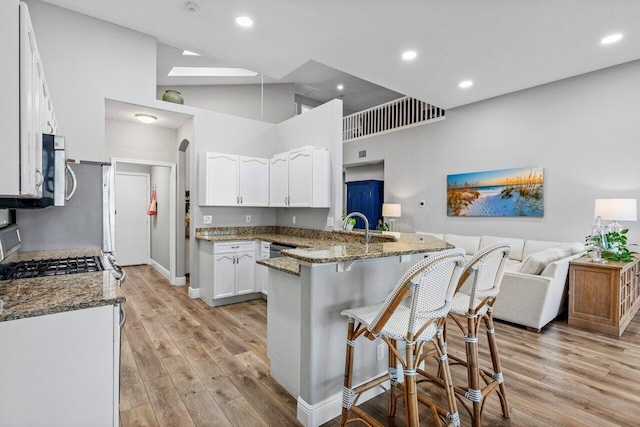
x=184 y=363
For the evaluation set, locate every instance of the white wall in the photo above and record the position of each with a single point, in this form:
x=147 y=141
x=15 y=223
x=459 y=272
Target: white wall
x=139 y=141
x=364 y=172
x=160 y=180
x=320 y=127
x=85 y=61
x=241 y=100
x=583 y=131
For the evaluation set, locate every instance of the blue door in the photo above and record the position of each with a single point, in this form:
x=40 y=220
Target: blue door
x=365 y=197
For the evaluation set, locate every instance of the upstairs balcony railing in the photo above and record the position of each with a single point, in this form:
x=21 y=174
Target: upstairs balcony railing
x=398 y=114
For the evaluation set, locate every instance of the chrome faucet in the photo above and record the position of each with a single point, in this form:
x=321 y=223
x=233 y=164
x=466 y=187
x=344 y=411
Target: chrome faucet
x=366 y=224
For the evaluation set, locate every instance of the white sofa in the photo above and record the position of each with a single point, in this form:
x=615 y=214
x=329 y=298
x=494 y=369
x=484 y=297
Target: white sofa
x=535 y=286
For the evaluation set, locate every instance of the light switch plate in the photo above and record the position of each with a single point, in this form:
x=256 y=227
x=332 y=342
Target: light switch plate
x=248 y=218
x=207 y=219
x=329 y=221
x=293 y=219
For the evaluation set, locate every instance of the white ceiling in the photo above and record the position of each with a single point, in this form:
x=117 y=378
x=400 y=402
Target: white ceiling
x=124 y=112
x=502 y=45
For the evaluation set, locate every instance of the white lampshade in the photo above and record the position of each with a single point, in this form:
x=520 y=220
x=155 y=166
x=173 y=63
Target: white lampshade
x=391 y=210
x=617 y=209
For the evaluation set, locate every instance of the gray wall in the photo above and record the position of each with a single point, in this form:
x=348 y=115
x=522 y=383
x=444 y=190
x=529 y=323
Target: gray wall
x=241 y=100
x=77 y=225
x=86 y=60
x=583 y=131
x=160 y=179
x=139 y=141
x=364 y=172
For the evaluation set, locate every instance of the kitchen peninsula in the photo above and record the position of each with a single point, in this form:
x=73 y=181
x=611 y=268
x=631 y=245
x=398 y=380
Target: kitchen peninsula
x=308 y=288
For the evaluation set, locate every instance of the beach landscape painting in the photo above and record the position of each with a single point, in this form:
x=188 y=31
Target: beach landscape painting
x=505 y=192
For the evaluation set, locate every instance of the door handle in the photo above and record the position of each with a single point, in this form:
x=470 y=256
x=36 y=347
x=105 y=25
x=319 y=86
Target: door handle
x=74 y=182
x=123 y=317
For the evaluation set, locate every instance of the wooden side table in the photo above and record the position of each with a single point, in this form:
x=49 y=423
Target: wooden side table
x=603 y=297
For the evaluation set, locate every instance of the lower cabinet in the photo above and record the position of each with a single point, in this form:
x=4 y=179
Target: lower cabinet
x=61 y=369
x=227 y=270
x=262 y=272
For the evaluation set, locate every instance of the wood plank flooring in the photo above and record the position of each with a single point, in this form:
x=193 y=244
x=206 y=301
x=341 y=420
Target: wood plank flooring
x=184 y=363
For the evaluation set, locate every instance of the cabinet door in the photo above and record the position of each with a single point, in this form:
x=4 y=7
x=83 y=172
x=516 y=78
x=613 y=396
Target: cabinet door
x=221 y=179
x=30 y=173
x=254 y=181
x=224 y=275
x=279 y=180
x=300 y=178
x=245 y=273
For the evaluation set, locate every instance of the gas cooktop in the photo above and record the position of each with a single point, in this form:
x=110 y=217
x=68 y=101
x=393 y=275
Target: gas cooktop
x=50 y=267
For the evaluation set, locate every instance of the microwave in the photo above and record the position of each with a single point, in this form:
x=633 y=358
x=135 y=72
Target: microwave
x=56 y=189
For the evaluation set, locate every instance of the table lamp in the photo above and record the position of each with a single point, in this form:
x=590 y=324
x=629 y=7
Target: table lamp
x=392 y=211
x=616 y=209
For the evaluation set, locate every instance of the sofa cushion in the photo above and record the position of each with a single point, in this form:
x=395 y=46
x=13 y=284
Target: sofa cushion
x=531 y=246
x=517 y=245
x=538 y=261
x=513 y=266
x=470 y=244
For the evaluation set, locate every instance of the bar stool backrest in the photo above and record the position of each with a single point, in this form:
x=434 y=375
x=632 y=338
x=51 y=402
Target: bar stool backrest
x=485 y=270
x=433 y=282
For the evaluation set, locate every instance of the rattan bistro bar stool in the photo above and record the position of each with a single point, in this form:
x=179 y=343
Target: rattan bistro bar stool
x=477 y=291
x=430 y=284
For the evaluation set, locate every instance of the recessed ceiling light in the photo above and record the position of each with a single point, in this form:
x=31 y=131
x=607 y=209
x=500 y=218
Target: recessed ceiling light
x=210 y=72
x=340 y=87
x=244 y=21
x=465 y=84
x=146 y=118
x=408 y=55
x=189 y=53
x=611 y=39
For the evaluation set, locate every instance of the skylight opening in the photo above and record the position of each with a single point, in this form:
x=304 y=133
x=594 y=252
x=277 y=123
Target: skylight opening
x=210 y=72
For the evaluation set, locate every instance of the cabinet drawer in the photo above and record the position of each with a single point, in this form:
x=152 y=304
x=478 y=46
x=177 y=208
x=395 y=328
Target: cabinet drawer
x=229 y=247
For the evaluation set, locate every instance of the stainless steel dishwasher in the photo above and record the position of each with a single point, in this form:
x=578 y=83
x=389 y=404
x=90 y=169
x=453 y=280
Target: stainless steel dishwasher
x=276 y=248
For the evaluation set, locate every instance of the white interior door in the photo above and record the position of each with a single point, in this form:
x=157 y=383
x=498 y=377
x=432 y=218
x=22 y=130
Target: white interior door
x=132 y=221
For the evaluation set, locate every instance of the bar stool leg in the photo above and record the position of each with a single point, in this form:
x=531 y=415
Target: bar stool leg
x=410 y=389
x=347 y=392
x=474 y=393
x=495 y=360
x=443 y=368
x=393 y=379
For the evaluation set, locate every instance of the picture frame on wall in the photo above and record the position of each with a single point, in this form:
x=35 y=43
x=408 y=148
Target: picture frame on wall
x=497 y=193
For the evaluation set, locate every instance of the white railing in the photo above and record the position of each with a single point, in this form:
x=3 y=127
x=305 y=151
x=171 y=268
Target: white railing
x=394 y=115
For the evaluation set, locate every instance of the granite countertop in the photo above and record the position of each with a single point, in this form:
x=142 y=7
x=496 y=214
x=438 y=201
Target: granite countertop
x=284 y=264
x=56 y=294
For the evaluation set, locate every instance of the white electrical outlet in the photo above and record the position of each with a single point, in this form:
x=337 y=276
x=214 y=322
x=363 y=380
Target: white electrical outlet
x=248 y=218
x=329 y=221
x=380 y=350
x=207 y=219
x=293 y=219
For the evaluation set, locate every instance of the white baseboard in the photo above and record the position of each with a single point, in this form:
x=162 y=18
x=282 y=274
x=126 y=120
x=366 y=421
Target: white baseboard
x=194 y=293
x=160 y=269
x=331 y=407
x=180 y=281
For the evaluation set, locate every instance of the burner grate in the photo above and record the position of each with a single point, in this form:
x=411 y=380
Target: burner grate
x=54 y=267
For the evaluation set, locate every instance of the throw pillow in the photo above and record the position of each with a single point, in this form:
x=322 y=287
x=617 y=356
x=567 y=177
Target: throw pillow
x=537 y=261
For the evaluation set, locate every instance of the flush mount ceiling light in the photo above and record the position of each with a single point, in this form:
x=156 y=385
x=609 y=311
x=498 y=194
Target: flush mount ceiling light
x=210 y=72
x=192 y=7
x=409 y=55
x=466 y=84
x=146 y=118
x=611 y=39
x=189 y=53
x=244 y=21
x=340 y=87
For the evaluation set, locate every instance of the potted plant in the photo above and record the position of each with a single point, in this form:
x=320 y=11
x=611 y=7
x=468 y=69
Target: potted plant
x=382 y=226
x=612 y=244
x=351 y=222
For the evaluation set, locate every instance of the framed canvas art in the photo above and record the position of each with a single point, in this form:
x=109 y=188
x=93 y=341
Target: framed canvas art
x=505 y=192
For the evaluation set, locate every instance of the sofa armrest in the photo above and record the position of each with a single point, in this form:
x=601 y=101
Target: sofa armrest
x=522 y=299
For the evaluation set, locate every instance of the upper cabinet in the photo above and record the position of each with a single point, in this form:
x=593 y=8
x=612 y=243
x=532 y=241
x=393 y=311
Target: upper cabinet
x=301 y=178
x=27 y=112
x=232 y=180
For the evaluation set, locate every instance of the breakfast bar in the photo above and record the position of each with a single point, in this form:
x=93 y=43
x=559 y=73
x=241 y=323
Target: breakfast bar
x=305 y=331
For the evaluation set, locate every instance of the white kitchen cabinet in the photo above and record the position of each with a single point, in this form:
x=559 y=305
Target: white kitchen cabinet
x=301 y=178
x=227 y=271
x=232 y=180
x=61 y=369
x=27 y=110
x=263 y=252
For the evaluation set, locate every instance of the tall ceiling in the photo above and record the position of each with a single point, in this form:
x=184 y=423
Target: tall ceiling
x=502 y=45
